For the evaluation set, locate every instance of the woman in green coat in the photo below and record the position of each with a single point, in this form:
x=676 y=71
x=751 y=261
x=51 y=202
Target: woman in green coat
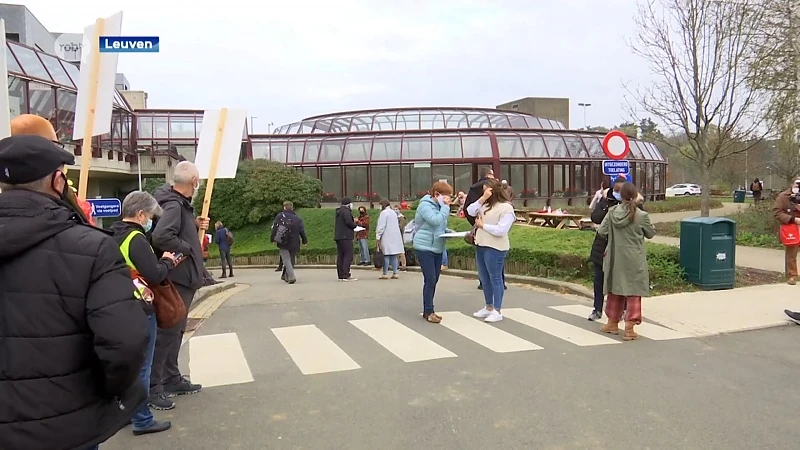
x=625 y=262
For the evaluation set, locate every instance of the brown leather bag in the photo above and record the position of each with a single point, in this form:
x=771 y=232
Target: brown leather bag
x=168 y=304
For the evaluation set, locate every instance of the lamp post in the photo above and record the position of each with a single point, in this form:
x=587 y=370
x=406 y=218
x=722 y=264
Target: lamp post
x=584 y=106
x=252 y=127
x=269 y=127
x=139 y=152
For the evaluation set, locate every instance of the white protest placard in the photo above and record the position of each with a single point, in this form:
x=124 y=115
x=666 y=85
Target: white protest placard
x=95 y=90
x=230 y=142
x=5 y=108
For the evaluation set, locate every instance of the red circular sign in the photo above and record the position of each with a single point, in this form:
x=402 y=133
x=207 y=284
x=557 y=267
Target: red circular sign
x=616 y=145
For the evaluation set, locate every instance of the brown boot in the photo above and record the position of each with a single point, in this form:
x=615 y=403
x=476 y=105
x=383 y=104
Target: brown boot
x=630 y=335
x=610 y=328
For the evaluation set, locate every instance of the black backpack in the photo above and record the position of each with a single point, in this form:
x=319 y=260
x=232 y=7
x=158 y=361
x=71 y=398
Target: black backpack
x=229 y=237
x=283 y=230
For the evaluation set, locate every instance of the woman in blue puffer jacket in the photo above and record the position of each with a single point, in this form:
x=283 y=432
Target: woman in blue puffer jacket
x=430 y=222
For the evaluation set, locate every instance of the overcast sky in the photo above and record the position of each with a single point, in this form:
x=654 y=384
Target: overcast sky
x=286 y=60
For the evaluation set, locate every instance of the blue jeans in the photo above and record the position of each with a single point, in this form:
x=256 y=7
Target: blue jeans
x=143 y=417
x=444 y=258
x=390 y=260
x=363 y=245
x=490 y=264
x=431 y=265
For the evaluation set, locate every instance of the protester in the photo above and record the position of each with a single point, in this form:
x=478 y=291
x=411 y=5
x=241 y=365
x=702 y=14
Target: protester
x=475 y=192
x=177 y=231
x=509 y=191
x=401 y=219
x=72 y=334
x=288 y=233
x=430 y=222
x=625 y=263
x=221 y=236
x=787 y=211
x=609 y=197
x=494 y=216
x=343 y=235
x=601 y=193
x=390 y=239
x=138 y=210
x=363 y=236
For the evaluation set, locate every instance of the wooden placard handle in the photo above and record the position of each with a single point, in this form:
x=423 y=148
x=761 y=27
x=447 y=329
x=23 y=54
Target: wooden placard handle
x=88 y=126
x=212 y=168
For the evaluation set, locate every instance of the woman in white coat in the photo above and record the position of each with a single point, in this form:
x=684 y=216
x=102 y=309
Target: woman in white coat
x=390 y=239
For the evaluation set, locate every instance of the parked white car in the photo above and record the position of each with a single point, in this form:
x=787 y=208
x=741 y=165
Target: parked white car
x=683 y=189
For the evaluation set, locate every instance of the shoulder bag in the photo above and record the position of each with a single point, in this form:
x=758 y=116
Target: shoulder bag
x=790 y=234
x=168 y=304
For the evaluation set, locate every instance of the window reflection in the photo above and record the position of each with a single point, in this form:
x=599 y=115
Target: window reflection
x=556 y=146
x=499 y=121
x=558 y=181
x=463 y=177
x=182 y=127
x=579 y=185
x=295 y=154
x=144 y=126
x=331 y=184
x=355 y=177
x=11 y=62
x=260 y=150
x=429 y=121
x=534 y=146
x=533 y=122
x=510 y=147
x=417 y=148
x=386 y=149
x=594 y=146
x=30 y=62
x=17 y=96
x=42 y=100
x=383 y=122
x=397 y=186
x=456 y=120
x=161 y=127
x=447 y=147
x=575 y=147
x=66 y=114
x=72 y=71
x=56 y=71
x=532 y=189
x=478 y=121
x=442 y=172
x=361 y=123
x=278 y=151
x=357 y=150
x=331 y=151
x=517 y=121
x=312 y=151
x=420 y=181
x=477 y=146
x=516 y=179
x=380 y=181
x=408 y=122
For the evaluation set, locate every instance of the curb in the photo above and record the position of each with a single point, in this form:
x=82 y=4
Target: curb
x=563 y=287
x=207 y=291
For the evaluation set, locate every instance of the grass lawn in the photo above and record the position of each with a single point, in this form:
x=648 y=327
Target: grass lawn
x=669 y=205
x=558 y=254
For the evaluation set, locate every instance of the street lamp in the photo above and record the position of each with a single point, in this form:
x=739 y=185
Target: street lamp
x=139 y=152
x=584 y=106
x=252 y=128
x=269 y=127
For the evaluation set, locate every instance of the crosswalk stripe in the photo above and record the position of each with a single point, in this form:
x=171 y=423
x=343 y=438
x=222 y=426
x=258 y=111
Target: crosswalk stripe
x=484 y=334
x=402 y=341
x=312 y=351
x=553 y=327
x=648 y=330
x=218 y=360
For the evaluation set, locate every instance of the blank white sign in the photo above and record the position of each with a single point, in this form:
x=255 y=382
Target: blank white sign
x=231 y=146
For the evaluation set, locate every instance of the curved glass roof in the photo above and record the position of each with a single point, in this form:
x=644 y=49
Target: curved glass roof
x=418 y=119
x=34 y=65
x=440 y=145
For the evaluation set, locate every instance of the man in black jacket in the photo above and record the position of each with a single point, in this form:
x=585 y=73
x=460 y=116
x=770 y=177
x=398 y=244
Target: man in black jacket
x=73 y=336
x=343 y=234
x=288 y=232
x=475 y=192
x=176 y=232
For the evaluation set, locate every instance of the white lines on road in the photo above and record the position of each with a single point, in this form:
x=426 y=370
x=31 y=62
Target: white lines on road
x=648 y=330
x=218 y=360
x=312 y=351
x=553 y=327
x=402 y=341
x=484 y=334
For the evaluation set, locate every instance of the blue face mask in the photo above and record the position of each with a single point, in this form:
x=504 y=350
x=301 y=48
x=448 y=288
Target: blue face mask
x=148 y=225
x=618 y=196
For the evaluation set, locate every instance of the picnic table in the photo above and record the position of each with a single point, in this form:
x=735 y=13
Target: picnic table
x=549 y=219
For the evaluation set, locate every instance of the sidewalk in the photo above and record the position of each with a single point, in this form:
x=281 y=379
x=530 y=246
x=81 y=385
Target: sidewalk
x=753 y=257
x=727 y=209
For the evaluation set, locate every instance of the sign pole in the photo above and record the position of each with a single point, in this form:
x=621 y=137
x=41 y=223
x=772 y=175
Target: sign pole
x=88 y=130
x=212 y=170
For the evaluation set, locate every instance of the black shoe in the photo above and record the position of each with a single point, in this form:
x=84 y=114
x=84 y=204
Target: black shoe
x=223 y=275
x=292 y=281
x=155 y=427
x=230 y=275
x=794 y=316
x=160 y=402
x=480 y=287
x=279 y=269
x=505 y=287
x=183 y=387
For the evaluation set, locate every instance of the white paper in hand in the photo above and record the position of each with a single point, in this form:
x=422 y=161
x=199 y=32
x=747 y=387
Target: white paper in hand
x=455 y=234
x=357 y=229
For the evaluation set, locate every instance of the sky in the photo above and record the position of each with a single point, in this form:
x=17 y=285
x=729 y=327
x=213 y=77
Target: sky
x=284 y=60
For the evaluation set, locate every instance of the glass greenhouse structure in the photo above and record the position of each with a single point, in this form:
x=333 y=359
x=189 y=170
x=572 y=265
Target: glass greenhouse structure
x=398 y=153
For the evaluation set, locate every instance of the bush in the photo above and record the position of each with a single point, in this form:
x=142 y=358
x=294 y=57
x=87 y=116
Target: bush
x=258 y=192
x=535 y=251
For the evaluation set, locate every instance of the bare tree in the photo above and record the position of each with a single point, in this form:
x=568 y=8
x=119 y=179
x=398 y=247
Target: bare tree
x=702 y=54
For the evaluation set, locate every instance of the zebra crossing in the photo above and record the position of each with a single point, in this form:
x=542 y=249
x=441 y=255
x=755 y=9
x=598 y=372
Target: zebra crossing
x=219 y=359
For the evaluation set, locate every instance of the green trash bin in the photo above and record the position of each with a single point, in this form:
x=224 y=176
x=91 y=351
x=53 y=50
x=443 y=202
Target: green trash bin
x=738 y=196
x=708 y=252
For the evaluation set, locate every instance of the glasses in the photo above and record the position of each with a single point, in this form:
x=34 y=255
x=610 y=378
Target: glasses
x=60 y=144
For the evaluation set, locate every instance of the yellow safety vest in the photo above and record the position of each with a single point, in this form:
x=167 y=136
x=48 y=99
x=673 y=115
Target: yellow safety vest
x=125 y=248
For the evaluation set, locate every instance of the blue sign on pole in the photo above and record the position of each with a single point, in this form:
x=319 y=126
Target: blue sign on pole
x=105 y=207
x=628 y=177
x=619 y=167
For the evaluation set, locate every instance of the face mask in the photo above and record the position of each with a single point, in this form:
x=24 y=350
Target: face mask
x=441 y=201
x=618 y=196
x=148 y=226
x=795 y=190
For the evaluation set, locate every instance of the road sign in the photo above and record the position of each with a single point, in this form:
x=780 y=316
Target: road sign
x=105 y=207
x=614 y=167
x=628 y=177
x=616 y=145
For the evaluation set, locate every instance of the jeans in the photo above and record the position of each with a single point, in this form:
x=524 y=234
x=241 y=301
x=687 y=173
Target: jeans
x=431 y=265
x=363 y=245
x=598 y=287
x=288 y=259
x=226 y=260
x=165 y=371
x=490 y=264
x=390 y=259
x=344 y=258
x=444 y=258
x=143 y=417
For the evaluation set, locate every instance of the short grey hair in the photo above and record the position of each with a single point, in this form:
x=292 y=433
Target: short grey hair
x=184 y=172
x=140 y=201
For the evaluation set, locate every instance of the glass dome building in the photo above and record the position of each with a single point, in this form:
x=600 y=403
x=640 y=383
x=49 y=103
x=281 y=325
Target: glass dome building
x=398 y=153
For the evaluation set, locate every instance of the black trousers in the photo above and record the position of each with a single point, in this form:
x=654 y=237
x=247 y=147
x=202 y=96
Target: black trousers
x=165 y=371
x=344 y=258
x=598 y=287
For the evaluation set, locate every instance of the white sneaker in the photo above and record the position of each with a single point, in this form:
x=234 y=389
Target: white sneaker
x=494 y=316
x=483 y=313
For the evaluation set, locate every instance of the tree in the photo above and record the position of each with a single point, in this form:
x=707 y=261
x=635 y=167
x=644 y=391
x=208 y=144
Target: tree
x=258 y=192
x=649 y=130
x=785 y=163
x=629 y=128
x=702 y=53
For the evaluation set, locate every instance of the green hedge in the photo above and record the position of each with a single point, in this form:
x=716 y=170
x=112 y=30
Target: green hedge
x=535 y=251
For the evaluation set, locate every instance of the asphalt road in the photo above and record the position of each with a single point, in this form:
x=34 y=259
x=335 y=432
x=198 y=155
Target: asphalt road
x=724 y=392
